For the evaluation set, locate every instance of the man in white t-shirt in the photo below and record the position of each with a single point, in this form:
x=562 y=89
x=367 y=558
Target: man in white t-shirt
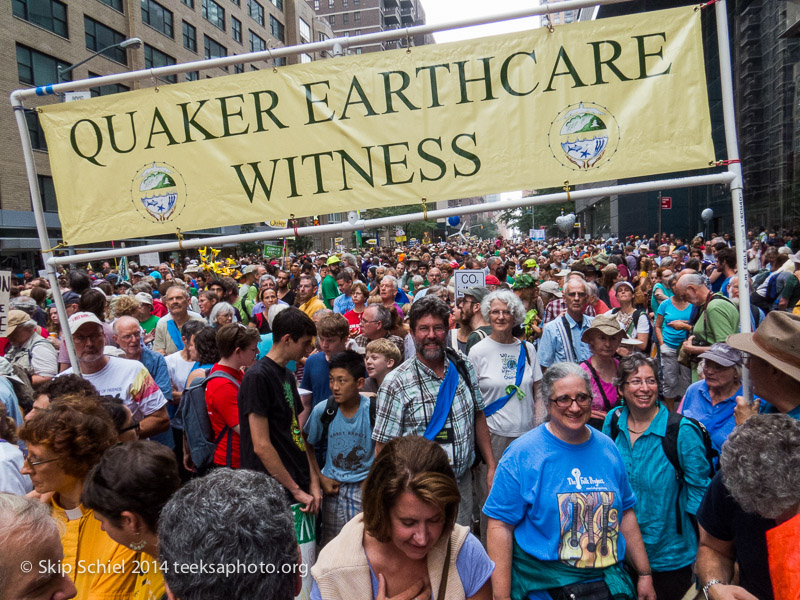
x=126 y=379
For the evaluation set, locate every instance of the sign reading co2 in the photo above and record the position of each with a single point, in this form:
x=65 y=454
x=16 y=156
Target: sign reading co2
x=468 y=279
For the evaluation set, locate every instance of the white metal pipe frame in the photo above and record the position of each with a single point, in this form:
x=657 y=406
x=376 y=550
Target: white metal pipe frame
x=731 y=177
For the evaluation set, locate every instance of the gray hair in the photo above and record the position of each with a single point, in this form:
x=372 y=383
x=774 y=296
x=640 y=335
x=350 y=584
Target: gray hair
x=694 y=279
x=266 y=276
x=382 y=314
x=587 y=287
x=273 y=311
x=23 y=522
x=115 y=324
x=178 y=284
x=349 y=259
x=24 y=303
x=510 y=299
x=630 y=365
x=559 y=371
x=418 y=281
x=760 y=461
x=391 y=279
x=220 y=308
x=236 y=518
x=591 y=289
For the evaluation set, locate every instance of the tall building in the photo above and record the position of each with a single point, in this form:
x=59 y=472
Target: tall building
x=39 y=37
x=350 y=18
x=559 y=17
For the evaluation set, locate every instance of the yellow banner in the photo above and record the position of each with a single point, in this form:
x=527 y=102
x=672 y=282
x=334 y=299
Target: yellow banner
x=591 y=101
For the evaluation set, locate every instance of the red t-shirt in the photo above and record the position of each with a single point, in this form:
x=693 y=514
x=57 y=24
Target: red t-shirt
x=354 y=319
x=223 y=409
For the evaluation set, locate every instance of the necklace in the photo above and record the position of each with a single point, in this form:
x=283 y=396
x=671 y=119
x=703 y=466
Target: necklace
x=633 y=431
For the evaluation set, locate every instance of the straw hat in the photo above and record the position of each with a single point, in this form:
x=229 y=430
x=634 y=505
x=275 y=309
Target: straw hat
x=777 y=341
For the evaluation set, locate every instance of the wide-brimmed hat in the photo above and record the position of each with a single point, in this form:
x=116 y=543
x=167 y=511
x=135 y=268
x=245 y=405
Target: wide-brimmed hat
x=723 y=355
x=551 y=287
x=777 y=341
x=607 y=324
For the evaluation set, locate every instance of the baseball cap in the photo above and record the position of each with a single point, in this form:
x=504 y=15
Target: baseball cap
x=79 y=319
x=70 y=298
x=249 y=269
x=551 y=287
x=492 y=280
x=479 y=293
x=17 y=318
x=144 y=298
x=723 y=354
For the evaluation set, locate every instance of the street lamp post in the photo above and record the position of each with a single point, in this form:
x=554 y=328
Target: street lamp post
x=129 y=43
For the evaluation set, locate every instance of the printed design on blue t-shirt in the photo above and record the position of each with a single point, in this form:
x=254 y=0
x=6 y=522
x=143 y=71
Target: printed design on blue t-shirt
x=508 y=364
x=346 y=451
x=589 y=523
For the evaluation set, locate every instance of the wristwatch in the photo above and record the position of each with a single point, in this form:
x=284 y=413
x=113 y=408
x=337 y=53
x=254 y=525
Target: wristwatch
x=708 y=585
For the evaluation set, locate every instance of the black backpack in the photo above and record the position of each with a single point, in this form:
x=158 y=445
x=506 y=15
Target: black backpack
x=197 y=430
x=331 y=408
x=669 y=443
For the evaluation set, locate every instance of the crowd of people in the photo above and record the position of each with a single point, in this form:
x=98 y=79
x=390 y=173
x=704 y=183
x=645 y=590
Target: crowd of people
x=576 y=427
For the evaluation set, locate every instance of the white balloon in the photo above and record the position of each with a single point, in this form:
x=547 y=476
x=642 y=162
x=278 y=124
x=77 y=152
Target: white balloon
x=707 y=215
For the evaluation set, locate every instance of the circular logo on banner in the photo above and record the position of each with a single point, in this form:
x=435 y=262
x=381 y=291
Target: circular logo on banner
x=158 y=192
x=583 y=136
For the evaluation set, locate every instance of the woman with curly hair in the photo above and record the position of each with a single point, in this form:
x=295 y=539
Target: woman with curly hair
x=11 y=459
x=64 y=442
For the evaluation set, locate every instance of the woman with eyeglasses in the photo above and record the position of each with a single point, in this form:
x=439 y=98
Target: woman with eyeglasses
x=665 y=505
x=561 y=517
x=508 y=375
x=64 y=442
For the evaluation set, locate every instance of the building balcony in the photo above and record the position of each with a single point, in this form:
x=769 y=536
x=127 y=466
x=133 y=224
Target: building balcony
x=407 y=16
x=391 y=15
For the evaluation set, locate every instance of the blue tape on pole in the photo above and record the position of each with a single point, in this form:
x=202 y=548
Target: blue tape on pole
x=49 y=88
x=40 y=91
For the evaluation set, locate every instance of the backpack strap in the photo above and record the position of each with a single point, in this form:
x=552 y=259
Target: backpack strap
x=614 y=423
x=598 y=383
x=331 y=408
x=226 y=430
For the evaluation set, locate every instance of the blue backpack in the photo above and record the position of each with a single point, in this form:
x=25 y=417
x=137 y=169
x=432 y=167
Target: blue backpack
x=197 y=430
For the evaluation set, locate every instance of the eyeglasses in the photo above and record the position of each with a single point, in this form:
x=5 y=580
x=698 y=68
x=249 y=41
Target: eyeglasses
x=583 y=400
x=131 y=336
x=134 y=427
x=650 y=382
x=497 y=313
x=425 y=329
x=36 y=463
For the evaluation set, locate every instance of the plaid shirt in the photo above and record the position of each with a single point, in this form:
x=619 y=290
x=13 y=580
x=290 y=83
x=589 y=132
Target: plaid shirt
x=558 y=306
x=405 y=404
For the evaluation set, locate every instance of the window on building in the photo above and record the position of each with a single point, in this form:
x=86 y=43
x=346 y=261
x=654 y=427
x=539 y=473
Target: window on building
x=323 y=36
x=105 y=90
x=214 y=49
x=278 y=4
x=157 y=17
x=305 y=58
x=256 y=11
x=37 y=68
x=358 y=50
x=48 y=192
x=189 y=3
x=98 y=37
x=238 y=68
x=214 y=14
x=280 y=62
x=357 y=15
x=237 y=2
x=357 y=32
x=305 y=31
x=330 y=3
x=344 y=3
x=332 y=20
x=316 y=4
x=334 y=218
x=153 y=57
x=345 y=18
x=189 y=36
x=115 y=4
x=276 y=29
x=356 y=2
x=253 y=68
x=35 y=130
x=236 y=29
x=192 y=75
x=257 y=43
x=50 y=14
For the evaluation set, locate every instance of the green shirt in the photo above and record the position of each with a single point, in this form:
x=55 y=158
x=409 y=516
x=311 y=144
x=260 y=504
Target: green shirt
x=719 y=320
x=149 y=324
x=330 y=291
x=791 y=291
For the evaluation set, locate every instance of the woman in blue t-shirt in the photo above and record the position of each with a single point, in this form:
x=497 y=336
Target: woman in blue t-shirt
x=672 y=326
x=561 y=517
